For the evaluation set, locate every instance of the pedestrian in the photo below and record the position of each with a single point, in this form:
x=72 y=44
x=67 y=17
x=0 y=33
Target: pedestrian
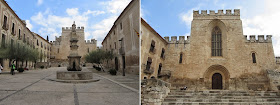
x=1 y=68
x=13 y=67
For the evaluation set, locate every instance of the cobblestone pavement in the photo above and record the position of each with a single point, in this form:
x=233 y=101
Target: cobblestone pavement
x=33 y=87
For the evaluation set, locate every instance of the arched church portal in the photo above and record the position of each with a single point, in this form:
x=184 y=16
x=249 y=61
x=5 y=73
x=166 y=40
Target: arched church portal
x=217 y=77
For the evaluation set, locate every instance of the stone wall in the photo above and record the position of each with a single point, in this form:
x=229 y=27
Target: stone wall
x=123 y=40
x=274 y=79
x=153 y=91
x=149 y=35
x=60 y=48
x=198 y=65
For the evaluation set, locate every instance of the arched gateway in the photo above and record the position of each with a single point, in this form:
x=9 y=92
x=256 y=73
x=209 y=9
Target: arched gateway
x=216 y=77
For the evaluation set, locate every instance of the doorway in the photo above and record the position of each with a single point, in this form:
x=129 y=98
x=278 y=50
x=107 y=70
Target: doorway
x=217 y=81
x=116 y=63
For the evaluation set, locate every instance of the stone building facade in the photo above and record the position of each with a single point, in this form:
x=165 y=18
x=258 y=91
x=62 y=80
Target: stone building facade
x=60 y=48
x=14 y=31
x=215 y=56
x=123 y=40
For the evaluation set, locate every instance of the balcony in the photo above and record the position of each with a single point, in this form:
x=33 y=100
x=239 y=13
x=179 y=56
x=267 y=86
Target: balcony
x=121 y=51
x=5 y=27
x=149 y=71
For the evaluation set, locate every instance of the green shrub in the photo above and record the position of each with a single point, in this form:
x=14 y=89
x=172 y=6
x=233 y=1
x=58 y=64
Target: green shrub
x=20 y=70
x=113 y=72
x=42 y=67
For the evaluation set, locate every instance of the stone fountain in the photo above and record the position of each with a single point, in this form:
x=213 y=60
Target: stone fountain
x=74 y=73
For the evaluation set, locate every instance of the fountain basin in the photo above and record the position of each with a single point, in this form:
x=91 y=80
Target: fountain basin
x=74 y=75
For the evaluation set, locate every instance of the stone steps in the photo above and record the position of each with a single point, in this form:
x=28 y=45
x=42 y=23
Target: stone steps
x=223 y=100
x=221 y=97
x=221 y=103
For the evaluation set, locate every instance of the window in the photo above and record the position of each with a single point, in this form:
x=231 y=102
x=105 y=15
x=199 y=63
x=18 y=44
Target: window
x=114 y=32
x=13 y=29
x=121 y=25
x=152 y=46
x=159 y=68
x=37 y=42
x=216 y=42
x=162 y=53
x=254 y=58
x=5 y=22
x=149 y=62
x=41 y=45
x=88 y=50
x=19 y=34
x=58 y=50
x=181 y=58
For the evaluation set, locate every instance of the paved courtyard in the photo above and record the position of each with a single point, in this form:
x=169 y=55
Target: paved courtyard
x=33 y=87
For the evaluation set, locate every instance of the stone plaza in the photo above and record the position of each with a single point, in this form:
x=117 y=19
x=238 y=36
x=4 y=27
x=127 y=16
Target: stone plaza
x=34 y=87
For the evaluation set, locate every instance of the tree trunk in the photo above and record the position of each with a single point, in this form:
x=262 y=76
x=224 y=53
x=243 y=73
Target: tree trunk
x=16 y=64
x=26 y=64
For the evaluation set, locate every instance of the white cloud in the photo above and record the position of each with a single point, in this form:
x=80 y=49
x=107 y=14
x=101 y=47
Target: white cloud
x=72 y=11
x=94 y=13
x=29 y=25
x=102 y=28
x=115 y=6
x=51 y=24
x=265 y=24
x=39 y=2
x=187 y=18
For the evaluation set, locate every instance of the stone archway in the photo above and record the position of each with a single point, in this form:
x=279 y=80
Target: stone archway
x=216 y=77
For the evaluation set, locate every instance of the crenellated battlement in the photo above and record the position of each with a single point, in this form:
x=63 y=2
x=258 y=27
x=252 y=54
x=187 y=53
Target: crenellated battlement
x=175 y=41
x=261 y=38
x=220 y=12
x=70 y=28
x=92 y=41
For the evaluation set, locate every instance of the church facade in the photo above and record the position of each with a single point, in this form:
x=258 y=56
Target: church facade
x=215 y=56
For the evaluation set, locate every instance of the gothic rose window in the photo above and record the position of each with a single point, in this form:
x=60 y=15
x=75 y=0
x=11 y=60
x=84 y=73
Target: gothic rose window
x=216 y=45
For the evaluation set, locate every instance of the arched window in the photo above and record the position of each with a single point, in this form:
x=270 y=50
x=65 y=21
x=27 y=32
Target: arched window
x=216 y=45
x=254 y=58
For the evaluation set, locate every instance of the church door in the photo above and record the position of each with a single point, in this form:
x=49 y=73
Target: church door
x=217 y=81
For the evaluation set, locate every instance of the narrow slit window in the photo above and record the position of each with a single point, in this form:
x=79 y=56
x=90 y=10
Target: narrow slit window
x=181 y=58
x=254 y=58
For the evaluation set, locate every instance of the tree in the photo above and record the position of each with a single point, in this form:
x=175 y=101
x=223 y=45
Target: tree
x=98 y=56
x=19 y=53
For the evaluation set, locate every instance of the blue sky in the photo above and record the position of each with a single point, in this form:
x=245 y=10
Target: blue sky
x=173 y=17
x=46 y=17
